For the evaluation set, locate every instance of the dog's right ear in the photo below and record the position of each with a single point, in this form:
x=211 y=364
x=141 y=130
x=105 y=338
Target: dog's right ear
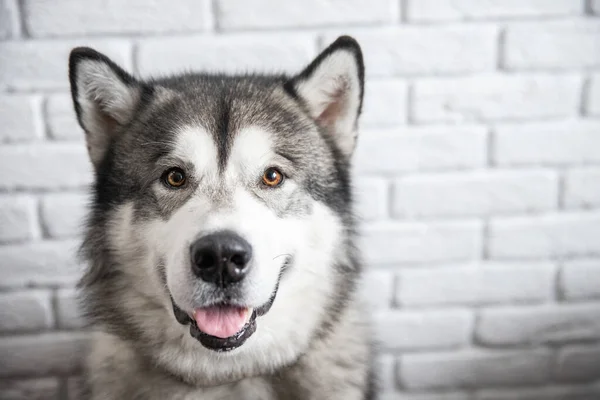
x=105 y=98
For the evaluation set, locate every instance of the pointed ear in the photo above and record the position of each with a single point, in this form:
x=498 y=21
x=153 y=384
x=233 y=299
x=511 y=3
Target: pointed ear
x=331 y=88
x=105 y=98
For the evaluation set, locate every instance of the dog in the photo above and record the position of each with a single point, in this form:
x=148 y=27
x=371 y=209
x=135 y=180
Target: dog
x=220 y=241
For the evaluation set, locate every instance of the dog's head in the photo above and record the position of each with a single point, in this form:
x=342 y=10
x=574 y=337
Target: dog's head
x=219 y=237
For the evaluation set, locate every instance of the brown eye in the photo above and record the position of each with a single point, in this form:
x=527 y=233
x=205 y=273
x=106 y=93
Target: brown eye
x=175 y=177
x=272 y=177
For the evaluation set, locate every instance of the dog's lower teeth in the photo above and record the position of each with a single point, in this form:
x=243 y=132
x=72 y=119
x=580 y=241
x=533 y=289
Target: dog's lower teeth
x=249 y=312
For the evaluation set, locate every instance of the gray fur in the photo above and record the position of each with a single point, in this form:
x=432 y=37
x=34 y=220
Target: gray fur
x=139 y=350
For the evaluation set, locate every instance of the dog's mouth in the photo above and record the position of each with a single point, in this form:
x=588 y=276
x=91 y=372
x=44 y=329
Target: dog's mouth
x=224 y=326
x=223 y=321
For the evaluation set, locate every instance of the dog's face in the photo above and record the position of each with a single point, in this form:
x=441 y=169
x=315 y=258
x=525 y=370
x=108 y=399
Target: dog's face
x=221 y=203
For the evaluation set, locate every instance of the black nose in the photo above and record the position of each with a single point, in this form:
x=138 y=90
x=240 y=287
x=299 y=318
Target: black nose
x=221 y=258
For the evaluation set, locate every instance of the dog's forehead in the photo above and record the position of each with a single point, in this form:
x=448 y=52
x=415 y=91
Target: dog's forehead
x=248 y=148
x=252 y=146
x=193 y=144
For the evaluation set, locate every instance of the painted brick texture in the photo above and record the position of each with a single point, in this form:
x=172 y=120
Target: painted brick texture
x=477 y=178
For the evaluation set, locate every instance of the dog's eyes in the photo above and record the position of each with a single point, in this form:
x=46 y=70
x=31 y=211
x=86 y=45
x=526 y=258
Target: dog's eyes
x=272 y=177
x=174 y=177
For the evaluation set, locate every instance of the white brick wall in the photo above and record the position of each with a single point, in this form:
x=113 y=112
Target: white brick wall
x=449 y=10
x=474 y=369
x=475 y=193
x=477 y=178
x=416 y=50
x=545 y=44
x=495 y=97
x=73 y=17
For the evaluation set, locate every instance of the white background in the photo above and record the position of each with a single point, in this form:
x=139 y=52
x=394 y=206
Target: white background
x=477 y=172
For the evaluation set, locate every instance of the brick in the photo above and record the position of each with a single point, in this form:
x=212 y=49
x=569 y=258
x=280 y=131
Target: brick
x=68 y=314
x=76 y=388
x=398 y=243
x=33 y=64
x=564 y=44
x=40 y=355
x=548 y=143
x=72 y=17
x=30 y=389
x=45 y=166
x=267 y=14
x=553 y=235
x=63 y=214
x=62 y=121
x=371 y=198
x=18 y=220
x=377 y=288
x=578 y=364
x=384 y=104
x=425 y=396
x=19 y=118
x=544 y=393
x=581 y=188
x=409 y=330
x=476 y=285
x=385 y=371
x=495 y=97
x=447 y=10
x=477 y=193
x=472 y=369
x=228 y=54
x=592 y=106
x=10 y=25
x=579 y=280
x=427 y=50
x=421 y=149
x=40 y=263
x=25 y=311
x=538 y=325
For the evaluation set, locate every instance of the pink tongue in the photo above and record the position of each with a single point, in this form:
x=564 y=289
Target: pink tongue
x=221 y=321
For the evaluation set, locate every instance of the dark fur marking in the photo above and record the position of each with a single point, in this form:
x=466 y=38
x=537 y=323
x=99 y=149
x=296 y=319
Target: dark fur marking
x=222 y=131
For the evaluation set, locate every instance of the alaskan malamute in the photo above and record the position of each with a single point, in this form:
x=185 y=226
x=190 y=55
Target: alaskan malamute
x=220 y=239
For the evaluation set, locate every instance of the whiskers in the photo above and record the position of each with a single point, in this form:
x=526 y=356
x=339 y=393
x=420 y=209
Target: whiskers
x=282 y=255
x=286 y=264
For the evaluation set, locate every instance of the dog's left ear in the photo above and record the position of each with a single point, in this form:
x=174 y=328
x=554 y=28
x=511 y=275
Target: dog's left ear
x=331 y=88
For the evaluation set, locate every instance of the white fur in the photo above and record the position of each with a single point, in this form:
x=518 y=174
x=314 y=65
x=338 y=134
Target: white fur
x=195 y=145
